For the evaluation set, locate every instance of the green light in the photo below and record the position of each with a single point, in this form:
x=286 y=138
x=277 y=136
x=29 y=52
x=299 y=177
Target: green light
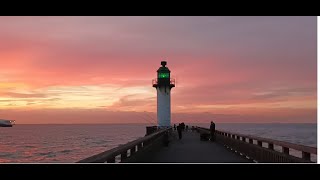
x=163 y=75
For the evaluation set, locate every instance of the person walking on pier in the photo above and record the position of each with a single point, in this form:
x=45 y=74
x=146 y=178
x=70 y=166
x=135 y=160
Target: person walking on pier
x=174 y=127
x=179 y=128
x=212 y=131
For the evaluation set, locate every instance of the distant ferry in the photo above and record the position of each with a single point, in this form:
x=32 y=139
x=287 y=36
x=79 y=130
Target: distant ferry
x=6 y=123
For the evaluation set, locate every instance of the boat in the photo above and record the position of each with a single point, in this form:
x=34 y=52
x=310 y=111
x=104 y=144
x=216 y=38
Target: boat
x=6 y=123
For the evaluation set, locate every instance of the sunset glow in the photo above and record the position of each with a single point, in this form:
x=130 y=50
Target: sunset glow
x=99 y=69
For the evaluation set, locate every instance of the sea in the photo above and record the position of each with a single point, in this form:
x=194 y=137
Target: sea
x=71 y=143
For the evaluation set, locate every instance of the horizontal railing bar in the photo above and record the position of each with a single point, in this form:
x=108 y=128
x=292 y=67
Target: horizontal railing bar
x=102 y=157
x=297 y=147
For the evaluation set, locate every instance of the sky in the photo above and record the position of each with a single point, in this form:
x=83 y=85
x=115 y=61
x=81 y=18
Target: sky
x=99 y=69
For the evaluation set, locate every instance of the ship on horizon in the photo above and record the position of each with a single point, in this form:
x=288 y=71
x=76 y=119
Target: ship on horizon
x=6 y=123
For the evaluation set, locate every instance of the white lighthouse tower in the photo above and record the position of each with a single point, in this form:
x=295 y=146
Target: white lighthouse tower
x=163 y=83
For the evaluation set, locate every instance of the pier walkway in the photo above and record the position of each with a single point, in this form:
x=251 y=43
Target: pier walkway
x=228 y=147
x=191 y=150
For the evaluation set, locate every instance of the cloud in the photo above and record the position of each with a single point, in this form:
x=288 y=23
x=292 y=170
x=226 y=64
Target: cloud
x=134 y=102
x=222 y=64
x=22 y=95
x=92 y=116
x=285 y=93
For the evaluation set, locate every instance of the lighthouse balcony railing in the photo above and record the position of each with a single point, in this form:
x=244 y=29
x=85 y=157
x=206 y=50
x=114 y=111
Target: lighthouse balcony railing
x=172 y=82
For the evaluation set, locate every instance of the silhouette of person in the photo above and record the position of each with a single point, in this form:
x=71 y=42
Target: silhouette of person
x=174 y=127
x=183 y=126
x=179 y=128
x=212 y=131
x=187 y=127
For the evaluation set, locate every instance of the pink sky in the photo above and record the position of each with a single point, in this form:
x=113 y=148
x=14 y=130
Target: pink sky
x=99 y=69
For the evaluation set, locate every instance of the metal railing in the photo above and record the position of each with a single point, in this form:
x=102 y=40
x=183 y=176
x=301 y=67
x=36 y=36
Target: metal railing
x=172 y=82
x=245 y=146
x=127 y=150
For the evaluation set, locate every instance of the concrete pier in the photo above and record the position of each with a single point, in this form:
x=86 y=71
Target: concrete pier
x=228 y=147
x=191 y=150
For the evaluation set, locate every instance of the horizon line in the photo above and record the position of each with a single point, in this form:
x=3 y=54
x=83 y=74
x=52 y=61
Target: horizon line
x=172 y=123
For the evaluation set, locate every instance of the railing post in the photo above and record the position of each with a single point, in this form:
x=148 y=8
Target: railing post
x=243 y=139
x=124 y=155
x=251 y=141
x=270 y=146
x=111 y=160
x=238 y=137
x=233 y=136
x=285 y=150
x=260 y=143
x=132 y=150
x=306 y=156
x=139 y=146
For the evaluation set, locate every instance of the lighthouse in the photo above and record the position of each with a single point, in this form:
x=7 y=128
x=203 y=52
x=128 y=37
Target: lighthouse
x=163 y=83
